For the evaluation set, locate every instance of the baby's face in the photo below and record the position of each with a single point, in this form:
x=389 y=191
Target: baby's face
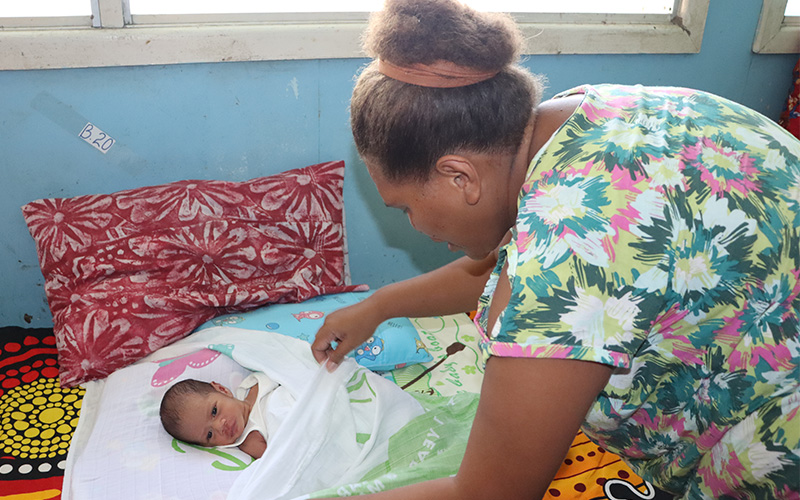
x=214 y=419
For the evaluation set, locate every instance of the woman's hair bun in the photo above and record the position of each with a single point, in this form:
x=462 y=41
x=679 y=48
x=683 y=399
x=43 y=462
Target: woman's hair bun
x=423 y=31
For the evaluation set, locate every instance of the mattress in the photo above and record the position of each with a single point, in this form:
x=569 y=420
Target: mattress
x=38 y=418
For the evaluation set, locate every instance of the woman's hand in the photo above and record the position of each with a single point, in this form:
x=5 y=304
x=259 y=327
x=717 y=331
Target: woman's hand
x=348 y=328
x=450 y=289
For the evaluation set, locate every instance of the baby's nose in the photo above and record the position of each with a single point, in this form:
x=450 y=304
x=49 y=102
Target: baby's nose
x=221 y=424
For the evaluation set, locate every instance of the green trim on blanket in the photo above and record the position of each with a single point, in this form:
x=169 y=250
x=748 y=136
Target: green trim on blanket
x=436 y=439
x=237 y=463
x=358 y=382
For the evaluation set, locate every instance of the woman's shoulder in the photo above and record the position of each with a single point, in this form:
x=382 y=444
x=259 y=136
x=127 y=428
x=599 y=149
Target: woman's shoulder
x=551 y=115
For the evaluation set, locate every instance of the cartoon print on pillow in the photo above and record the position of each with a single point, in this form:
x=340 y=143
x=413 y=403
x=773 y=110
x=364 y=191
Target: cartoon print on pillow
x=172 y=368
x=370 y=349
x=309 y=314
x=227 y=320
x=226 y=349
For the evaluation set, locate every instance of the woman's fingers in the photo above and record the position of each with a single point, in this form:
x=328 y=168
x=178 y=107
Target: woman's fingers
x=322 y=347
x=343 y=331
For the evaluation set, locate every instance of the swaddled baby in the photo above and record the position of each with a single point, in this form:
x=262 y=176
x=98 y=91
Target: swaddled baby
x=210 y=415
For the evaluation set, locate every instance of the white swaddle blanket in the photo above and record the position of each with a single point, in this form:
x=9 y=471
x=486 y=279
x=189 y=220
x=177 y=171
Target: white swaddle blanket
x=337 y=430
x=272 y=404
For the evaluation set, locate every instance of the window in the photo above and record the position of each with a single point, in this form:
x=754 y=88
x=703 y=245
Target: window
x=176 y=7
x=144 y=32
x=43 y=13
x=778 y=28
x=36 y=8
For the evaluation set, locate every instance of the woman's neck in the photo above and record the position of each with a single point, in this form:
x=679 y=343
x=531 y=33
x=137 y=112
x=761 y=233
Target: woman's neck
x=549 y=117
x=519 y=167
x=545 y=120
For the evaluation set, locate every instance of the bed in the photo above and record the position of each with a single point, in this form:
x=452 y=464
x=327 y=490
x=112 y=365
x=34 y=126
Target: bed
x=131 y=274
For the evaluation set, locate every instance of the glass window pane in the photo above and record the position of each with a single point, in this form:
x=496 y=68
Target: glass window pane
x=262 y=6
x=249 y=6
x=45 y=8
x=580 y=6
x=792 y=8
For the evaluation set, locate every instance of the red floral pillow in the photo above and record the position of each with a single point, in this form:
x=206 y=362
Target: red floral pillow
x=130 y=272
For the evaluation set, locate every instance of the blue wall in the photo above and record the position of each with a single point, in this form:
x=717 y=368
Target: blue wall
x=236 y=121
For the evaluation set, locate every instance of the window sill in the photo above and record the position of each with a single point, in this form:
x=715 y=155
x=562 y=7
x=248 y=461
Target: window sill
x=135 y=45
x=772 y=35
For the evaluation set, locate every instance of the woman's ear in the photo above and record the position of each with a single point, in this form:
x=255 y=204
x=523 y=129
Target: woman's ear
x=461 y=174
x=221 y=388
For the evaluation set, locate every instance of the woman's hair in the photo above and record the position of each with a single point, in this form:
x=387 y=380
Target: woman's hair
x=172 y=405
x=406 y=128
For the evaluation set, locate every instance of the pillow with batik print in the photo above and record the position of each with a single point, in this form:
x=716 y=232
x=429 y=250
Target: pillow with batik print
x=129 y=272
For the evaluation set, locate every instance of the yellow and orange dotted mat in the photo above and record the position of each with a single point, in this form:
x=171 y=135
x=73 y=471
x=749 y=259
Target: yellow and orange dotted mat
x=37 y=416
x=591 y=473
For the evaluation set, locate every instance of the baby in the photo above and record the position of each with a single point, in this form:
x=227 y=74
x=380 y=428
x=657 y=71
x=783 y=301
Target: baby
x=208 y=414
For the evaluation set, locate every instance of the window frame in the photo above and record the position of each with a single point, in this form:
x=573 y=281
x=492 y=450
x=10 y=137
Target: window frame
x=112 y=37
x=776 y=34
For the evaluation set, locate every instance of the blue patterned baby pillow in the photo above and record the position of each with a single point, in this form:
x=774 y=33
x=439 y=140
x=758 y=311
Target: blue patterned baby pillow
x=394 y=344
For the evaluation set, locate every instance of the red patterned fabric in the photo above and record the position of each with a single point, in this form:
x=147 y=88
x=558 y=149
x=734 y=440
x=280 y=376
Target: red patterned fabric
x=130 y=272
x=39 y=417
x=790 y=118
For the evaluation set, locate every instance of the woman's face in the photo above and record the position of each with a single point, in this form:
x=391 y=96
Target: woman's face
x=436 y=208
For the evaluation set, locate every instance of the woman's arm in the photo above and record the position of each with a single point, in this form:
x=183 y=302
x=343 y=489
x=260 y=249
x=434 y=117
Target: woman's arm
x=528 y=415
x=453 y=288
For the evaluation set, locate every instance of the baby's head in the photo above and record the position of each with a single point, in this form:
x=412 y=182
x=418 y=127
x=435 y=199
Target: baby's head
x=202 y=413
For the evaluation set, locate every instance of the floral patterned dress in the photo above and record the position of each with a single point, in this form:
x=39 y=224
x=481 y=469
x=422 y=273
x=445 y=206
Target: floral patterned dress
x=658 y=232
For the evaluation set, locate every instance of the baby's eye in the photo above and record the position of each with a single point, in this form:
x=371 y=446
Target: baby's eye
x=208 y=437
x=214 y=411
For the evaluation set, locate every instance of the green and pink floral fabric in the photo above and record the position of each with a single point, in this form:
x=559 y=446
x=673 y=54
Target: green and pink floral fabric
x=659 y=232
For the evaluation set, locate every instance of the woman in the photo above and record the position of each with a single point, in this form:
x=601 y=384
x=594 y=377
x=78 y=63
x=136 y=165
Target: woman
x=633 y=253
